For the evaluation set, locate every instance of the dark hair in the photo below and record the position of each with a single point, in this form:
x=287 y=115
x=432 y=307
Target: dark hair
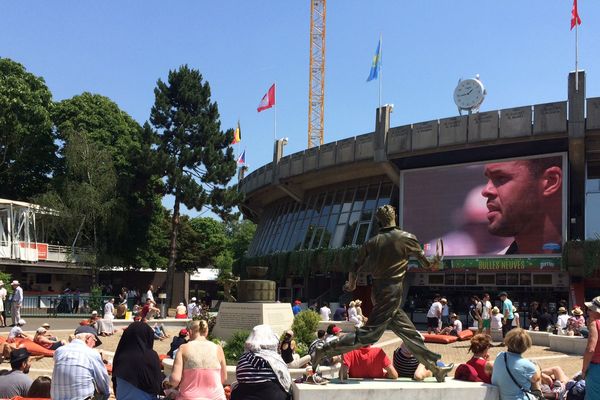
x=537 y=166
x=16 y=365
x=321 y=333
x=40 y=387
x=330 y=329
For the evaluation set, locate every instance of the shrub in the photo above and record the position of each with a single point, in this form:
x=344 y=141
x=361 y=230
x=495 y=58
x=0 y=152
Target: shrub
x=96 y=298
x=234 y=347
x=305 y=327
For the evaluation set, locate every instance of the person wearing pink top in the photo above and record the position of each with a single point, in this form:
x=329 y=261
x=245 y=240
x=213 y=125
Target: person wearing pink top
x=199 y=370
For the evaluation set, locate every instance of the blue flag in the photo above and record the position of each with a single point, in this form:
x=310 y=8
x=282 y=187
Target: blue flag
x=374 y=74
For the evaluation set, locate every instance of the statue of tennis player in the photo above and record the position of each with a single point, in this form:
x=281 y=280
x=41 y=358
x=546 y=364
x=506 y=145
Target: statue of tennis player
x=385 y=257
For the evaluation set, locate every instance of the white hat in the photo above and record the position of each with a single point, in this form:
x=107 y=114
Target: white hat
x=180 y=304
x=21 y=322
x=94 y=312
x=1 y=282
x=193 y=299
x=15 y=282
x=594 y=305
x=41 y=330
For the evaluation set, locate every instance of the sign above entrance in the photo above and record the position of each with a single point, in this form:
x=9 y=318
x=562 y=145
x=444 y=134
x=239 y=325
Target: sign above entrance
x=497 y=264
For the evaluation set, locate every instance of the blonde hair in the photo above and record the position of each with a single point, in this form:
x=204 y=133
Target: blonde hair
x=517 y=340
x=199 y=327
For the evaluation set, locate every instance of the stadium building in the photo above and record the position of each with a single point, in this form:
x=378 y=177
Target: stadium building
x=441 y=176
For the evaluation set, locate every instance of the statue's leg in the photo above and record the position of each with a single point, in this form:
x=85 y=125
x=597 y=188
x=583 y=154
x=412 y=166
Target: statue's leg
x=402 y=326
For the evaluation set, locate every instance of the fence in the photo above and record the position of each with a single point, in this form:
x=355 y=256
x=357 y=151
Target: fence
x=70 y=306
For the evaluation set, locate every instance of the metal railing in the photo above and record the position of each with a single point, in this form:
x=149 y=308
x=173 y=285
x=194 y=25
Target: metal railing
x=69 y=306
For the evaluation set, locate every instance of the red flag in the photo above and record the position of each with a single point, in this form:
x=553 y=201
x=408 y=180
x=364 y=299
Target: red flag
x=575 y=20
x=268 y=99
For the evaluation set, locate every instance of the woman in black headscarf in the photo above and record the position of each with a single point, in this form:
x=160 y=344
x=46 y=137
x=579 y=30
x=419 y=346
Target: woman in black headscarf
x=136 y=367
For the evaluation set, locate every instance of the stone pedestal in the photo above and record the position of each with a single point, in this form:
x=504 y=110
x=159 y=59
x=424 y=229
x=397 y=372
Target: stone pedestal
x=403 y=388
x=233 y=317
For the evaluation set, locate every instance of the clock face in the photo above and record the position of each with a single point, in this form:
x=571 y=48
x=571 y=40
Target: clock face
x=469 y=94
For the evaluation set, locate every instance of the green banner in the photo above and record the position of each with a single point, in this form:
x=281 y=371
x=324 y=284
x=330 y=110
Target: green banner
x=500 y=264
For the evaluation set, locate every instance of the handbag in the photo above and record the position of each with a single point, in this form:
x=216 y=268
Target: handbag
x=537 y=395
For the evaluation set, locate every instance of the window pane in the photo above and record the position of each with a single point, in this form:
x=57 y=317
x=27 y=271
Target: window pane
x=359 y=199
x=361 y=236
x=371 y=200
x=338 y=236
x=348 y=197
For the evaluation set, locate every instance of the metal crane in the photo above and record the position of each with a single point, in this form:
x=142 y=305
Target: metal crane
x=316 y=83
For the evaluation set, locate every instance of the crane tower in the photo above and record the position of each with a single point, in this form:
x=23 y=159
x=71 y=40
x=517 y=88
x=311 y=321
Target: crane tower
x=316 y=82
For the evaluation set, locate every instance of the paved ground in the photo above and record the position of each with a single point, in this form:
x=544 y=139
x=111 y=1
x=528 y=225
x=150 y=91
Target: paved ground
x=455 y=352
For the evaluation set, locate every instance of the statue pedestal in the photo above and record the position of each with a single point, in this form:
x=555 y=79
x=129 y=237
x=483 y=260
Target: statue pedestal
x=385 y=389
x=233 y=317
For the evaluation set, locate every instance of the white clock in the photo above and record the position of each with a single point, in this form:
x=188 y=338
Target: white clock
x=469 y=94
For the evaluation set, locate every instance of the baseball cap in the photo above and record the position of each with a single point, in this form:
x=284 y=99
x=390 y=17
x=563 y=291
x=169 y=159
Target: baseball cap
x=297 y=302
x=193 y=299
x=89 y=329
x=594 y=305
x=336 y=330
x=503 y=294
x=19 y=355
x=183 y=332
x=21 y=322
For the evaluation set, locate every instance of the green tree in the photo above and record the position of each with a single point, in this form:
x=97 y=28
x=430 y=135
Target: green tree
x=193 y=151
x=27 y=149
x=132 y=233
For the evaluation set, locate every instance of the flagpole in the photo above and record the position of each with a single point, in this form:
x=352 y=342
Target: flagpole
x=275 y=113
x=380 y=72
x=576 y=55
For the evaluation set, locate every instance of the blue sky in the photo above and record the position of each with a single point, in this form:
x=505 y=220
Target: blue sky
x=523 y=51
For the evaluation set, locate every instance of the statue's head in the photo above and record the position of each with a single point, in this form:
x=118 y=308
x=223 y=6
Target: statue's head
x=386 y=216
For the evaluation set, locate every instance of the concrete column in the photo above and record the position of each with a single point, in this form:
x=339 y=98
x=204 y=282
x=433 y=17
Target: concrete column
x=577 y=172
x=382 y=126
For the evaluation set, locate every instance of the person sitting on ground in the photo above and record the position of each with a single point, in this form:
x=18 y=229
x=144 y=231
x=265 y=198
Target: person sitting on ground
x=261 y=373
x=287 y=348
x=325 y=312
x=48 y=334
x=121 y=310
x=181 y=311
x=496 y=322
x=40 y=388
x=340 y=313
x=47 y=343
x=353 y=315
x=480 y=344
x=562 y=320
x=576 y=322
x=359 y=311
x=79 y=371
x=407 y=365
x=199 y=370
x=332 y=331
x=17 y=332
x=149 y=310
x=16 y=382
x=526 y=374
x=545 y=320
x=93 y=321
x=455 y=326
x=136 y=373
x=177 y=341
x=367 y=362
x=159 y=331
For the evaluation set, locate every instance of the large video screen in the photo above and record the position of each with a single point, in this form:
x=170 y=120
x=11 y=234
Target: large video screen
x=500 y=207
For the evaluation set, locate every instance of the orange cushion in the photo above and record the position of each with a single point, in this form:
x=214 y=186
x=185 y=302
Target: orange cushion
x=2 y=339
x=443 y=339
x=34 y=348
x=465 y=334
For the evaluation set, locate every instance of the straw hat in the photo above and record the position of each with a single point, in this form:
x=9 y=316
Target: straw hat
x=357 y=302
x=443 y=300
x=352 y=304
x=577 y=311
x=594 y=305
x=562 y=310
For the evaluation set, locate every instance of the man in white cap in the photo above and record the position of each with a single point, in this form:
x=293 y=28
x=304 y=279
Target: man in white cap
x=17 y=302
x=192 y=308
x=2 y=304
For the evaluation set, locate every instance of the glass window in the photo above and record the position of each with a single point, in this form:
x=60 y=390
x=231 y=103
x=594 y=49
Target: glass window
x=525 y=279
x=338 y=236
x=436 y=279
x=459 y=279
x=592 y=209
x=471 y=279
x=337 y=202
x=343 y=218
x=501 y=279
x=361 y=235
x=450 y=279
x=359 y=199
x=487 y=279
x=542 y=279
x=371 y=199
x=348 y=197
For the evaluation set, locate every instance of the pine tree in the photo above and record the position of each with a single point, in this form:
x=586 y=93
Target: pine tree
x=193 y=152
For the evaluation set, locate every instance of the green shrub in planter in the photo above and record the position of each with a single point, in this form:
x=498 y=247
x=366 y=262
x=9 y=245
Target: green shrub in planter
x=305 y=327
x=234 y=347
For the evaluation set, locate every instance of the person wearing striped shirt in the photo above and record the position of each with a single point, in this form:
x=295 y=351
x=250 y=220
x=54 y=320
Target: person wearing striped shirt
x=408 y=366
x=79 y=372
x=261 y=373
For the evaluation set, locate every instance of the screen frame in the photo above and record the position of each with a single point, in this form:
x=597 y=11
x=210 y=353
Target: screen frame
x=564 y=195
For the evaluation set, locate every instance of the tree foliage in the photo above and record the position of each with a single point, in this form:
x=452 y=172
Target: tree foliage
x=197 y=162
x=27 y=148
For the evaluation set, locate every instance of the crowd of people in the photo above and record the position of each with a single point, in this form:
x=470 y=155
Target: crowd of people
x=263 y=371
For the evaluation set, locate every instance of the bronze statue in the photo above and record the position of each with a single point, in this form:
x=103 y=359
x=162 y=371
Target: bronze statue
x=229 y=281
x=385 y=257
